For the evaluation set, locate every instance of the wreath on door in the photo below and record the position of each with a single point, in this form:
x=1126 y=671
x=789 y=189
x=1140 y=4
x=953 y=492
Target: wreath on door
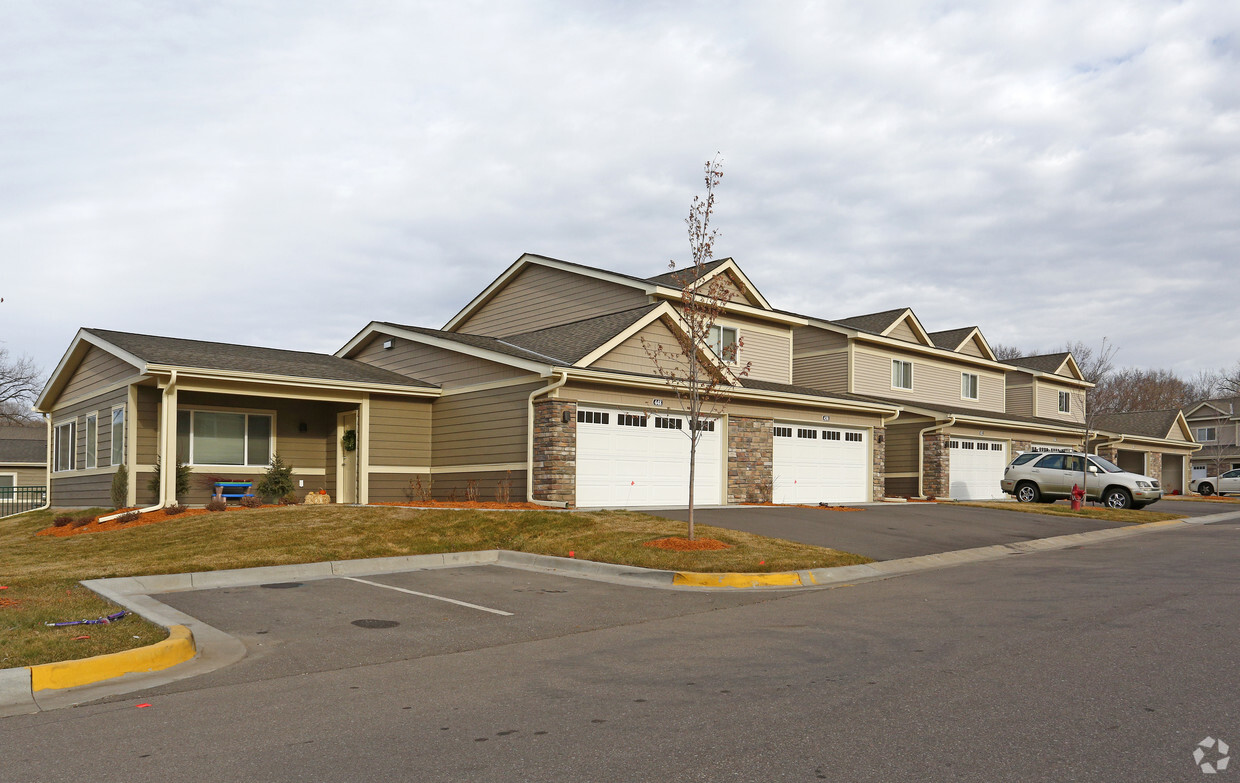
x=349 y=441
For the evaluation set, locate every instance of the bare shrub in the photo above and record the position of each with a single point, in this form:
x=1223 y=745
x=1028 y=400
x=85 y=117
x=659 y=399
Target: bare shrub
x=471 y=490
x=175 y=508
x=503 y=490
x=217 y=504
x=249 y=501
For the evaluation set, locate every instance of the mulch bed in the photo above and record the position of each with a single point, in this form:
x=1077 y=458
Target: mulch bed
x=678 y=544
x=8 y=602
x=493 y=505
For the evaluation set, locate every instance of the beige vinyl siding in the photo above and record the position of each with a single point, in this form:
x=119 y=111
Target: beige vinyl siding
x=481 y=428
x=642 y=400
x=1019 y=393
x=1176 y=433
x=26 y=476
x=631 y=356
x=828 y=372
x=971 y=348
x=433 y=365
x=97 y=369
x=934 y=382
x=904 y=332
x=769 y=354
x=1048 y=401
x=809 y=339
x=400 y=431
x=735 y=293
x=539 y=297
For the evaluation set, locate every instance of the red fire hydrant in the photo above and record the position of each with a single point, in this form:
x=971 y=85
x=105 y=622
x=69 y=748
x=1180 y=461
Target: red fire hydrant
x=1078 y=495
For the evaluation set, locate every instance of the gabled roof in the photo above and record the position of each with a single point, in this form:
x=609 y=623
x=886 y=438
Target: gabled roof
x=875 y=323
x=1146 y=424
x=574 y=341
x=657 y=286
x=673 y=277
x=955 y=339
x=725 y=266
x=1220 y=407
x=493 y=344
x=152 y=353
x=1050 y=364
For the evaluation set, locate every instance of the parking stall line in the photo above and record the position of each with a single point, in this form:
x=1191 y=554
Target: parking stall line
x=428 y=595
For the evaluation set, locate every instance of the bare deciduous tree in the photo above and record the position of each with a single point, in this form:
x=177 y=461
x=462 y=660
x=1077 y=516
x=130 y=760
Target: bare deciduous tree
x=1004 y=352
x=691 y=366
x=20 y=382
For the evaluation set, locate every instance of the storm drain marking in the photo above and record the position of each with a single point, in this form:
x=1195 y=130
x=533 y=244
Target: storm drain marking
x=428 y=595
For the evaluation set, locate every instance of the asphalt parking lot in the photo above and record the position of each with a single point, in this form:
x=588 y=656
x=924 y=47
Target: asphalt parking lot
x=290 y=628
x=888 y=531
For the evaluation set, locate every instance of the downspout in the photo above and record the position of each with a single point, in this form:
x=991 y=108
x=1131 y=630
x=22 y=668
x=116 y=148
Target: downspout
x=921 y=452
x=47 y=467
x=164 y=436
x=873 y=445
x=529 y=443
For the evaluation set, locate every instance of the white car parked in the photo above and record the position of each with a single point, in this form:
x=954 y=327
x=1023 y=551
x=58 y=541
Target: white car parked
x=1226 y=484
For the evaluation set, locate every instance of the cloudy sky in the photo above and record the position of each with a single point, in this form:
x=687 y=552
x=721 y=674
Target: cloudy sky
x=281 y=173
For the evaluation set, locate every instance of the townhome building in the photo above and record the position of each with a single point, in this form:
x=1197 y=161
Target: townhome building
x=544 y=387
x=1216 y=426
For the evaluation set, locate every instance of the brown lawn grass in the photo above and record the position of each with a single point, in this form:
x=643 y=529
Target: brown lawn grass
x=41 y=572
x=1087 y=512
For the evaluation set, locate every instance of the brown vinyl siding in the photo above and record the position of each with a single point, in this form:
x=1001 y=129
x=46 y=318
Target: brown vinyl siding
x=149 y=401
x=400 y=432
x=901 y=447
x=70 y=490
x=539 y=297
x=1048 y=401
x=932 y=382
x=392 y=487
x=482 y=427
x=96 y=370
x=431 y=364
x=828 y=372
x=299 y=449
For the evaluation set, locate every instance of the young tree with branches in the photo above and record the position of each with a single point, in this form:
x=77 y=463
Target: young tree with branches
x=694 y=366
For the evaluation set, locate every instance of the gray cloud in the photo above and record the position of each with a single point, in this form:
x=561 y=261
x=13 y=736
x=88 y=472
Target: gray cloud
x=283 y=175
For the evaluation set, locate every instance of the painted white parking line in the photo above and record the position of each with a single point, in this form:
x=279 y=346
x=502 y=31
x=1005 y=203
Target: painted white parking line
x=428 y=595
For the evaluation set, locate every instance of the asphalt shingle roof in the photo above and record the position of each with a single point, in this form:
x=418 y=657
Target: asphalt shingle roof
x=671 y=278
x=23 y=449
x=788 y=388
x=1149 y=424
x=200 y=354
x=478 y=341
x=948 y=339
x=572 y=342
x=872 y=322
x=1047 y=363
x=956 y=410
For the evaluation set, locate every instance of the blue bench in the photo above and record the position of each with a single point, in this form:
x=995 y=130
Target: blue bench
x=233 y=489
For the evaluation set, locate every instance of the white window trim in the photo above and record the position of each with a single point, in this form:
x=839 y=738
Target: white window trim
x=1061 y=399
x=977 y=386
x=57 y=440
x=223 y=409
x=13 y=475
x=1200 y=439
x=894 y=362
x=112 y=444
x=717 y=347
x=91 y=461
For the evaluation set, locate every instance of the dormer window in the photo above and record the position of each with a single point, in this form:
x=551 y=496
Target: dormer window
x=724 y=343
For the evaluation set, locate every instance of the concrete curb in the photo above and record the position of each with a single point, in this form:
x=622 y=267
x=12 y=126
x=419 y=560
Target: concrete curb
x=23 y=692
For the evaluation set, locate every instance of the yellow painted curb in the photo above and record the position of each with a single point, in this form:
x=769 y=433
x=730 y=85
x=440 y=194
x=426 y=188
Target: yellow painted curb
x=177 y=648
x=690 y=579
x=1164 y=523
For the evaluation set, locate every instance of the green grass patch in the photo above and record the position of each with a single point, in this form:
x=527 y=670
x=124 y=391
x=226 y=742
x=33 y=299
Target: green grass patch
x=1087 y=512
x=40 y=569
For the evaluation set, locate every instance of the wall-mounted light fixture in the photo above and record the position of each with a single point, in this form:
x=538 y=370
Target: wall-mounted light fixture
x=568 y=416
x=303 y=427
x=880 y=438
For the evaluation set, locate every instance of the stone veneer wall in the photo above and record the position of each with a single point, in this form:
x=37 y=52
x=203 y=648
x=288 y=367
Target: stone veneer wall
x=936 y=466
x=880 y=463
x=1017 y=447
x=1109 y=453
x=554 y=471
x=1153 y=463
x=751 y=459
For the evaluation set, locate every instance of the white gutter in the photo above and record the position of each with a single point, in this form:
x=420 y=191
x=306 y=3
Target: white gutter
x=1113 y=442
x=47 y=465
x=529 y=443
x=921 y=453
x=164 y=436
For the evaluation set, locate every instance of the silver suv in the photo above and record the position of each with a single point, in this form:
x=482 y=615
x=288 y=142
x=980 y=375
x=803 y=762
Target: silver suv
x=1035 y=477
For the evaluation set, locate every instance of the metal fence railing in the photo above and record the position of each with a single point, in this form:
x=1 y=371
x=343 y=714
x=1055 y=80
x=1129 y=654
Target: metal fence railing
x=15 y=500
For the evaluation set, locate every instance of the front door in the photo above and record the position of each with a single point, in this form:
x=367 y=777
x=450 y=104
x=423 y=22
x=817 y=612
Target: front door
x=346 y=458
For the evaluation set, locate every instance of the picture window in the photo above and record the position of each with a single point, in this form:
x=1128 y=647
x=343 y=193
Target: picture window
x=223 y=438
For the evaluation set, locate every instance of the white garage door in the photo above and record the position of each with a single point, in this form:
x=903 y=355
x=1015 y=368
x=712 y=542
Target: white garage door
x=628 y=459
x=820 y=465
x=977 y=468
